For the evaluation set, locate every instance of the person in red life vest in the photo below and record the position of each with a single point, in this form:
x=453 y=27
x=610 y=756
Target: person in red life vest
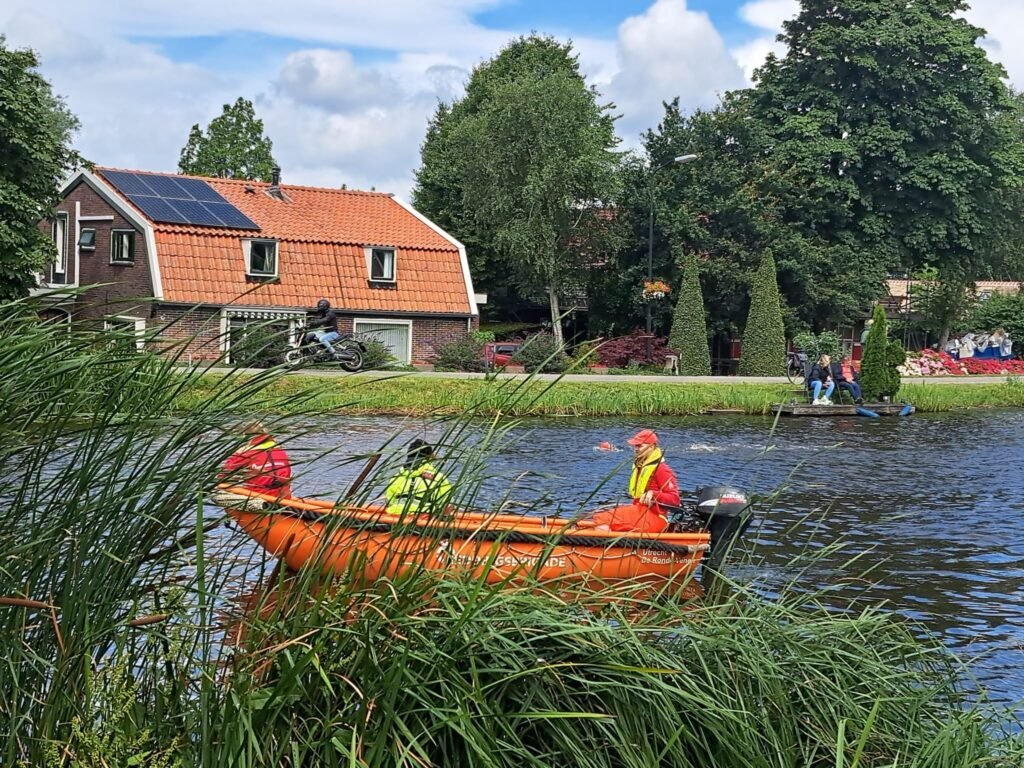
x=652 y=486
x=260 y=465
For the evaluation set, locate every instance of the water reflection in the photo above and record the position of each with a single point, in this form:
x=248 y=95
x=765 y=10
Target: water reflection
x=930 y=504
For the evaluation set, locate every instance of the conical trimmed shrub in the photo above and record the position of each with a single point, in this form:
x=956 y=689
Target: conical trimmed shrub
x=879 y=374
x=689 y=336
x=764 y=337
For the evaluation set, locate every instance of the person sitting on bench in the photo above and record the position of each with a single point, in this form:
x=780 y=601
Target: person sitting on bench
x=821 y=377
x=847 y=377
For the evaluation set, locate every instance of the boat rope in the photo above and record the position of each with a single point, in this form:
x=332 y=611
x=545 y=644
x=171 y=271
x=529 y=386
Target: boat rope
x=632 y=543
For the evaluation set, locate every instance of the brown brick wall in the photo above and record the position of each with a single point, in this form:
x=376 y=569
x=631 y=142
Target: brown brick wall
x=128 y=283
x=428 y=334
x=193 y=334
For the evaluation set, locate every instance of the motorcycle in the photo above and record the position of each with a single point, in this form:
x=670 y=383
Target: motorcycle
x=348 y=352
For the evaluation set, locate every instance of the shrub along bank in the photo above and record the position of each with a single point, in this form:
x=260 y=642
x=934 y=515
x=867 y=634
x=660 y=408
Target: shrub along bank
x=419 y=395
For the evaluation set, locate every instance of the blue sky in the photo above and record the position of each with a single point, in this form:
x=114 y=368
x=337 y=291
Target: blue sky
x=345 y=87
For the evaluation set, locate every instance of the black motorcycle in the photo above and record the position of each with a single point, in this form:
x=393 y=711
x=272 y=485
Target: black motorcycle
x=348 y=352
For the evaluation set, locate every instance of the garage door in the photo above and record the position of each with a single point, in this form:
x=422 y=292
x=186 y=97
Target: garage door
x=394 y=336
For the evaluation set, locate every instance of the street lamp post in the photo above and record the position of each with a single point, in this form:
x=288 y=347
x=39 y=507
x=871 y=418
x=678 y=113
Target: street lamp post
x=681 y=160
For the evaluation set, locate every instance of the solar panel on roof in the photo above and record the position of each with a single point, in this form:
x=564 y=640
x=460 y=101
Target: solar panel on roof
x=200 y=190
x=159 y=210
x=177 y=200
x=129 y=183
x=231 y=216
x=196 y=213
x=166 y=187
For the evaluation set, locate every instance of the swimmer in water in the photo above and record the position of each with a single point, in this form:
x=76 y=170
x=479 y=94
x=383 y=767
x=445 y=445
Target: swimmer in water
x=605 y=446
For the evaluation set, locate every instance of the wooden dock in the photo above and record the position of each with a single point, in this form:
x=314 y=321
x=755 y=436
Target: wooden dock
x=806 y=409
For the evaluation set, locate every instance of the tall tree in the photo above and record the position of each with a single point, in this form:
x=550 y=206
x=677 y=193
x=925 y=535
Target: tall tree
x=528 y=154
x=689 y=335
x=764 y=338
x=886 y=129
x=232 y=146
x=35 y=155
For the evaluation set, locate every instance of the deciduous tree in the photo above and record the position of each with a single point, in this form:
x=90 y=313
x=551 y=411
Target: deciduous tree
x=525 y=165
x=233 y=146
x=35 y=156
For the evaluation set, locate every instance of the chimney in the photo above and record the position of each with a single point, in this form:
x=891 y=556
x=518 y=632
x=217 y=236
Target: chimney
x=275 y=183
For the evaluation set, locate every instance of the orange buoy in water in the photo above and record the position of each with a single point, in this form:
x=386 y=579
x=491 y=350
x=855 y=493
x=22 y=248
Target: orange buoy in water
x=606 y=446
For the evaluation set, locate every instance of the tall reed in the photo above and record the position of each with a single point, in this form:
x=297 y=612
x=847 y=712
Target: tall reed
x=115 y=577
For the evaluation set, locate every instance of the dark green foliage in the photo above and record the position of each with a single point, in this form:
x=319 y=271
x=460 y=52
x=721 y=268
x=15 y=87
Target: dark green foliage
x=882 y=356
x=463 y=355
x=764 y=337
x=376 y=354
x=233 y=146
x=816 y=345
x=521 y=166
x=35 y=157
x=888 y=126
x=258 y=345
x=542 y=354
x=689 y=336
x=1000 y=310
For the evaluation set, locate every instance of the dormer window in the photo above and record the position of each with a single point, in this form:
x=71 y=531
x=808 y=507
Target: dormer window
x=382 y=264
x=260 y=258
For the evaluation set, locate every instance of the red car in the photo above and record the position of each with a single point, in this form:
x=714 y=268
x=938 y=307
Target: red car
x=499 y=354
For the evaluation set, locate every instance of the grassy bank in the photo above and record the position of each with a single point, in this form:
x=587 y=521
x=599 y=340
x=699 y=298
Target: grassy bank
x=417 y=396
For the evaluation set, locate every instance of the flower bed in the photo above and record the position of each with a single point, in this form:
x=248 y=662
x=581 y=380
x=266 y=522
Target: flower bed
x=932 y=363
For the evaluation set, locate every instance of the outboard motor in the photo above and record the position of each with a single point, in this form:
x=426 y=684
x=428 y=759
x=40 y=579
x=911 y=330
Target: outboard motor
x=726 y=514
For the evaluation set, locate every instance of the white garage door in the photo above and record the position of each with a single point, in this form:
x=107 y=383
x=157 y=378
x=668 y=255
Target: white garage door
x=393 y=335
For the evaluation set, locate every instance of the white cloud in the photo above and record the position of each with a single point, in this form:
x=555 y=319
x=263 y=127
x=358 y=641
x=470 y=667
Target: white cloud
x=135 y=105
x=1002 y=20
x=665 y=52
x=767 y=16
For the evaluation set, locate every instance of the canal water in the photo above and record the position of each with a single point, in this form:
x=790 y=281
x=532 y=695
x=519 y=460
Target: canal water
x=928 y=511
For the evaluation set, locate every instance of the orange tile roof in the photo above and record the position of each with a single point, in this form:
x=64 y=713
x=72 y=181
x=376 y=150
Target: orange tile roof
x=321 y=234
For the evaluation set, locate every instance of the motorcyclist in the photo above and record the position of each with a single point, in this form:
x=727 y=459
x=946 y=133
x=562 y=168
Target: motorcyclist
x=325 y=324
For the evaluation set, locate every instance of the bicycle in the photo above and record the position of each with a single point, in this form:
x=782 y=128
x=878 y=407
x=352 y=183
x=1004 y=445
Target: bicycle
x=796 y=367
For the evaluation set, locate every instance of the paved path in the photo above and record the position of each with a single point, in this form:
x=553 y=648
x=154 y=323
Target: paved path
x=623 y=379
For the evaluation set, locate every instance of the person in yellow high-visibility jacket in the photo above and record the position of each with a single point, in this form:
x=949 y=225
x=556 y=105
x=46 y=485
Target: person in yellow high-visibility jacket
x=419 y=486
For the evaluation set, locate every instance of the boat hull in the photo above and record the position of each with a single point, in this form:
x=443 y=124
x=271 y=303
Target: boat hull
x=370 y=544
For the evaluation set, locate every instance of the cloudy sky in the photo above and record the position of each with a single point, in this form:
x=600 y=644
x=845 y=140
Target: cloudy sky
x=345 y=87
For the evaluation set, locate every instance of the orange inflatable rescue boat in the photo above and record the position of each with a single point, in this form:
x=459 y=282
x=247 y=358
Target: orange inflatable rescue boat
x=370 y=543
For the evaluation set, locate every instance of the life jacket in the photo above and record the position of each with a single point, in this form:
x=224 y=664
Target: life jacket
x=414 y=488
x=266 y=464
x=640 y=478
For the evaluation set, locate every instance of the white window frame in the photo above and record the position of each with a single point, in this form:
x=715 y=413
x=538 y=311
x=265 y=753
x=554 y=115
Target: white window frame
x=296 y=319
x=114 y=236
x=60 y=221
x=247 y=249
x=385 y=321
x=368 y=250
x=140 y=327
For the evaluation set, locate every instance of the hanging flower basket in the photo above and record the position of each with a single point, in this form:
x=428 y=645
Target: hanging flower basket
x=655 y=289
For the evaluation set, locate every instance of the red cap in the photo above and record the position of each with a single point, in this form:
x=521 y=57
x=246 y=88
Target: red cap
x=643 y=437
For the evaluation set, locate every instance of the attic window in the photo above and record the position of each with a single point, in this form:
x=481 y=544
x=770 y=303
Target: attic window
x=87 y=240
x=382 y=264
x=260 y=258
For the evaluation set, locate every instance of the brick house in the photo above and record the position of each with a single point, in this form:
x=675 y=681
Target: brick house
x=198 y=258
